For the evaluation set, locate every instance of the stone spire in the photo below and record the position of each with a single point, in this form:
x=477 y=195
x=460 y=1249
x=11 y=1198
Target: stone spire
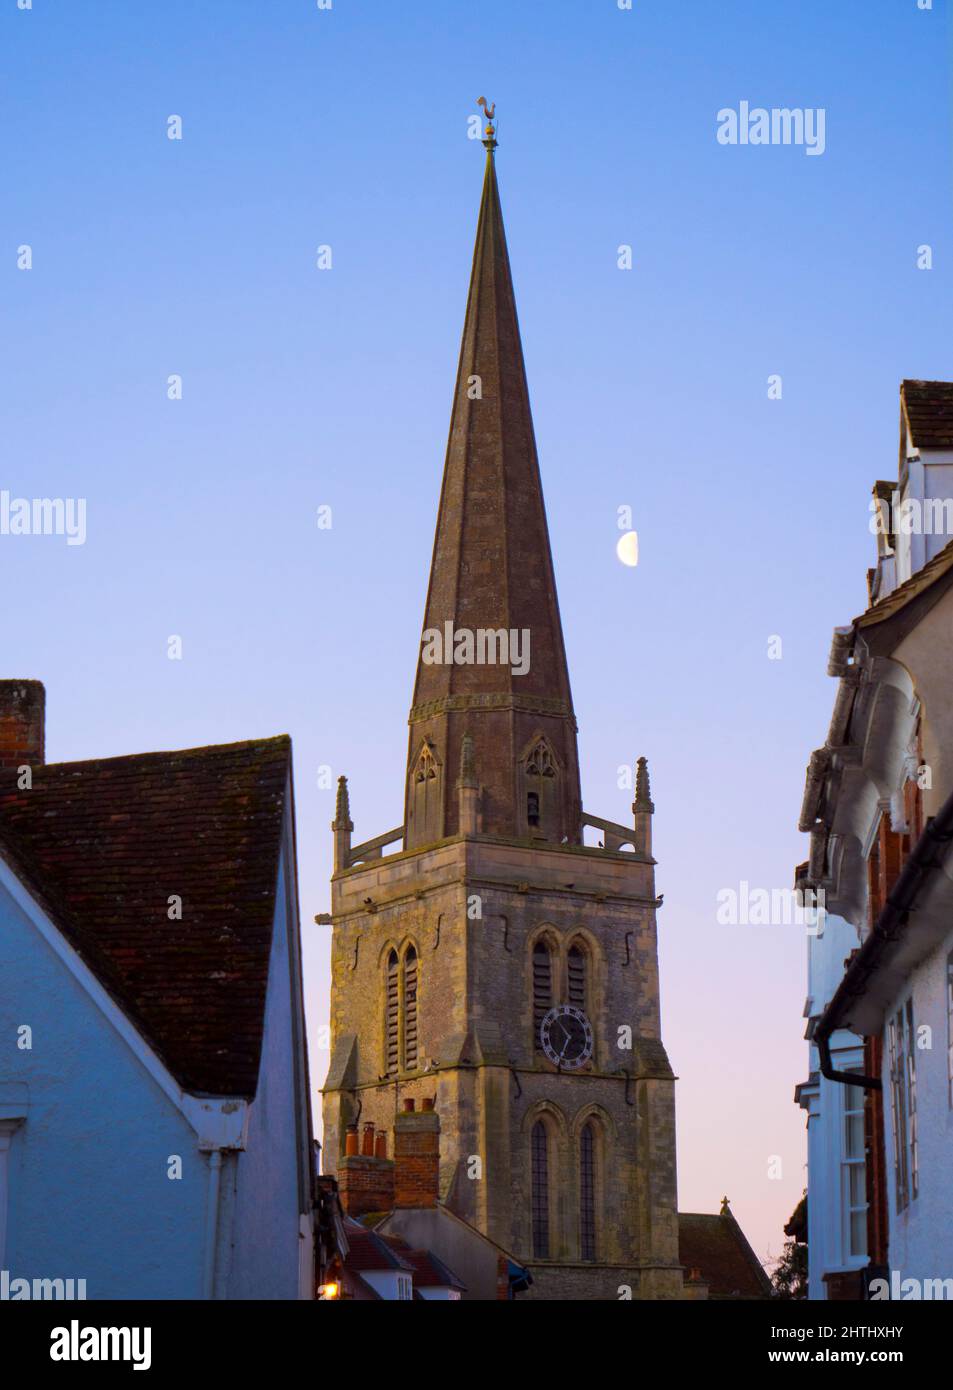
x=492 y=574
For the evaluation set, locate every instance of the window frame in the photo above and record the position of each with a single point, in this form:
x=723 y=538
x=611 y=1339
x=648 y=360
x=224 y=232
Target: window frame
x=854 y=1107
x=8 y=1128
x=588 y=1248
x=540 y=1190
x=901 y=1053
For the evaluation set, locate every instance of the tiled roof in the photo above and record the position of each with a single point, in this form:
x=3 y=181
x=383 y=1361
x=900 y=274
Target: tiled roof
x=904 y=593
x=716 y=1246
x=929 y=411
x=429 y=1271
x=367 y=1251
x=104 y=844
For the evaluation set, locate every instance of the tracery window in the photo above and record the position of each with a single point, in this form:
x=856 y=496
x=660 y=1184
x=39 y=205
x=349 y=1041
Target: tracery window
x=424 y=801
x=587 y=1192
x=539 y=790
x=540 y=1190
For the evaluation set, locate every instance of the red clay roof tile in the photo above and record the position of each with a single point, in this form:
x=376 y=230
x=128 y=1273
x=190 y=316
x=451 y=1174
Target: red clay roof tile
x=104 y=844
x=929 y=408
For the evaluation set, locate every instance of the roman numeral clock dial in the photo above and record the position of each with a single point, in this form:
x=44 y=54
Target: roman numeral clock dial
x=566 y=1037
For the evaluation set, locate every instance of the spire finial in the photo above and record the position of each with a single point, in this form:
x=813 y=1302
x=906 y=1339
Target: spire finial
x=342 y=809
x=643 y=792
x=489 y=112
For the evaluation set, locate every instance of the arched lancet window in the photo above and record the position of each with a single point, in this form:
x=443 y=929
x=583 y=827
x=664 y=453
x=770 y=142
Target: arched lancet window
x=410 y=1009
x=424 y=803
x=577 y=963
x=539 y=772
x=542 y=986
x=539 y=1144
x=587 y=1192
x=391 y=1015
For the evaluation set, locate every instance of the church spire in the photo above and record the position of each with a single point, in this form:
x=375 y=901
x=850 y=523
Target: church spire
x=492 y=579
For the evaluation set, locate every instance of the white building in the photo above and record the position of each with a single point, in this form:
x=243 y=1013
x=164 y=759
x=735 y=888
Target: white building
x=879 y=807
x=837 y=1194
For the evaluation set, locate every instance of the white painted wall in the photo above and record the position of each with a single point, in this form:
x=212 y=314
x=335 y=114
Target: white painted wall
x=88 y=1192
x=391 y=1284
x=261 y=1238
x=929 y=477
x=919 y=1244
x=828 y=1248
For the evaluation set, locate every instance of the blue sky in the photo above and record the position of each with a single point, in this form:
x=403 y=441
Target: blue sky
x=304 y=388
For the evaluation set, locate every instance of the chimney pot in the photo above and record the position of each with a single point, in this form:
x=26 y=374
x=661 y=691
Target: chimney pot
x=380 y=1144
x=367 y=1147
x=427 y=1103
x=350 y=1140
x=408 y=1106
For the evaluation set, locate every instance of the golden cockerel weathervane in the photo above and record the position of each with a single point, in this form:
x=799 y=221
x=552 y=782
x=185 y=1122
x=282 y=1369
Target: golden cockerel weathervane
x=489 y=112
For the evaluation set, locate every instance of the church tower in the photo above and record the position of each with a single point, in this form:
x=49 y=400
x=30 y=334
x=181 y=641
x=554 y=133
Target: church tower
x=484 y=958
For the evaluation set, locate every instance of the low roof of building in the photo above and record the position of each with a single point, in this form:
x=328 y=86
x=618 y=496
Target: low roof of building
x=928 y=406
x=429 y=1271
x=717 y=1248
x=369 y=1252
x=927 y=577
x=103 y=845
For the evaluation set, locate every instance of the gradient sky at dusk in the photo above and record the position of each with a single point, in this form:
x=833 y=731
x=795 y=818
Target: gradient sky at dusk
x=303 y=388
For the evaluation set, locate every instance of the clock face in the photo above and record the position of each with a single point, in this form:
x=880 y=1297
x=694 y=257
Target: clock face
x=566 y=1036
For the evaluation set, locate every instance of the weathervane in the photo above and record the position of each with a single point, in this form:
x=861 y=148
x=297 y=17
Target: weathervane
x=489 y=112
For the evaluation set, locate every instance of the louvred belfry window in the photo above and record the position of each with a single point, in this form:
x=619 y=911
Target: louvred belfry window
x=540 y=1185
x=392 y=1015
x=542 y=987
x=410 y=1009
x=576 y=976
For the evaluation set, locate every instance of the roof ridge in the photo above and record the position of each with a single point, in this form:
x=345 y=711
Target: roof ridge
x=916 y=583
x=273 y=741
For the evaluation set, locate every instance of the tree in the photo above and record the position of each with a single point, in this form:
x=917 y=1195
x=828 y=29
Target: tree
x=790 y=1276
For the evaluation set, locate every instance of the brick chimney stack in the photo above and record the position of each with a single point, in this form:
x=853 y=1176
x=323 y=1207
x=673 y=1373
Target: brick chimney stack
x=22 y=725
x=417 y=1156
x=365 y=1173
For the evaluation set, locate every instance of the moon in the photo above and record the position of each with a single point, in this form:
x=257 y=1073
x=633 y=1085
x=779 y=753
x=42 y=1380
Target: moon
x=628 y=548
